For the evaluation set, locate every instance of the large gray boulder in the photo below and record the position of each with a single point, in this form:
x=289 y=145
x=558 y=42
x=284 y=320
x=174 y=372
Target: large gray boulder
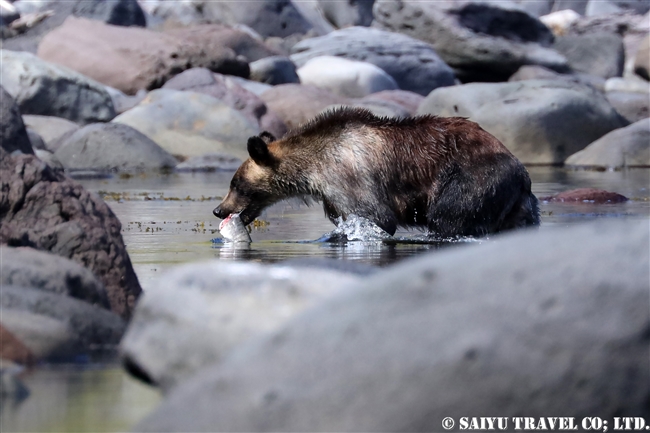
x=198 y=313
x=497 y=328
x=599 y=54
x=47 y=89
x=190 y=124
x=482 y=42
x=539 y=121
x=27 y=267
x=413 y=64
x=43 y=209
x=625 y=147
x=56 y=327
x=631 y=105
x=13 y=135
x=112 y=147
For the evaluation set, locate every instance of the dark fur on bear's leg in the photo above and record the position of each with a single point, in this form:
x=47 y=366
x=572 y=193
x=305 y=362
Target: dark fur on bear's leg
x=447 y=174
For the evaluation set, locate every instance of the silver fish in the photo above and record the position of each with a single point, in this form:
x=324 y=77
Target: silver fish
x=233 y=229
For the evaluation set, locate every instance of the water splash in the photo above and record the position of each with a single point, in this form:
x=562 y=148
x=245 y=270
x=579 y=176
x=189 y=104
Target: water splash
x=355 y=228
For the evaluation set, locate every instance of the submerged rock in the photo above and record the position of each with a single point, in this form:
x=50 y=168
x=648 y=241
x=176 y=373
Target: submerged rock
x=586 y=195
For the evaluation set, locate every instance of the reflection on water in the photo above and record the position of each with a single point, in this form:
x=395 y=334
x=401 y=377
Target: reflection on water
x=78 y=399
x=167 y=220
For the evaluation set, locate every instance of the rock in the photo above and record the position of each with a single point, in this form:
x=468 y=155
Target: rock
x=296 y=103
x=632 y=106
x=12 y=349
x=348 y=13
x=48 y=16
x=123 y=102
x=10 y=384
x=608 y=7
x=377 y=107
x=56 y=327
x=113 y=147
x=586 y=195
x=8 y=13
x=542 y=73
x=223 y=304
x=114 y=12
x=210 y=162
x=600 y=54
x=50 y=128
x=312 y=11
x=559 y=22
x=47 y=211
x=201 y=80
x=621 y=148
x=252 y=86
x=48 y=158
x=47 y=89
x=191 y=124
x=35 y=140
x=131 y=58
x=343 y=77
x=274 y=70
x=482 y=42
x=631 y=84
x=237 y=39
x=13 y=135
x=414 y=65
x=539 y=121
x=27 y=267
x=642 y=59
x=409 y=101
x=527 y=330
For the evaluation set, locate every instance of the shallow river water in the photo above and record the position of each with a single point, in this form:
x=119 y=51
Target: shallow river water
x=167 y=220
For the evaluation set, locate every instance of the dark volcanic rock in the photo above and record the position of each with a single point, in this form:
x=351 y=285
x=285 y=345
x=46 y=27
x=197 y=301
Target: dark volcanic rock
x=115 y=12
x=586 y=195
x=48 y=211
x=27 y=267
x=13 y=135
x=528 y=330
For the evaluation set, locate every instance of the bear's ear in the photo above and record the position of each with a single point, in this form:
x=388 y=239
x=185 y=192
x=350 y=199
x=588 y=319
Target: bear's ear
x=259 y=151
x=267 y=137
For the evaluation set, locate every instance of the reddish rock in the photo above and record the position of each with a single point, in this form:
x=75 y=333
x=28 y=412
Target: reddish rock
x=202 y=80
x=46 y=210
x=296 y=103
x=586 y=195
x=130 y=58
x=12 y=349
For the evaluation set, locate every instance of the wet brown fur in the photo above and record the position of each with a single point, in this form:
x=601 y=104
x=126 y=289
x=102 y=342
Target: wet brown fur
x=447 y=174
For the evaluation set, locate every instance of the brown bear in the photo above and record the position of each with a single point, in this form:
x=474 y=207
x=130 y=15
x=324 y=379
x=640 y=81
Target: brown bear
x=446 y=174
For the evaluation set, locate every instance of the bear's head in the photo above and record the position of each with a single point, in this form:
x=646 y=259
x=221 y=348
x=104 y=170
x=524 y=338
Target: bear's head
x=251 y=188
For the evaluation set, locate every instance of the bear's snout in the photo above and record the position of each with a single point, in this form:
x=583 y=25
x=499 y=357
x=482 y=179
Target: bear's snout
x=219 y=213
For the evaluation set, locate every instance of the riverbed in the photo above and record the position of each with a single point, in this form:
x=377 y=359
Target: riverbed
x=167 y=220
